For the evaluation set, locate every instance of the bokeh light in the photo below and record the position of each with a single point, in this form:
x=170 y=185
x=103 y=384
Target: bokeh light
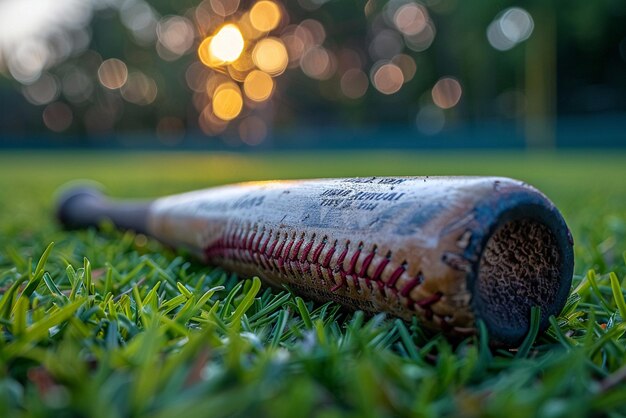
x=227 y=44
x=430 y=120
x=265 y=15
x=77 y=86
x=43 y=91
x=140 y=19
x=258 y=86
x=209 y=123
x=447 y=92
x=386 y=44
x=139 y=89
x=354 y=83
x=113 y=73
x=57 y=116
x=224 y=8
x=227 y=101
x=422 y=40
x=336 y=56
x=270 y=56
x=407 y=64
x=317 y=63
x=252 y=130
x=176 y=35
x=388 y=78
x=410 y=18
x=509 y=28
x=312 y=32
x=196 y=77
x=295 y=46
x=36 y=36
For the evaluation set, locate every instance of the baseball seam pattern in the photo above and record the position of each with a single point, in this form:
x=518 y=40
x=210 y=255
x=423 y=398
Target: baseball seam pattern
x=281 y=253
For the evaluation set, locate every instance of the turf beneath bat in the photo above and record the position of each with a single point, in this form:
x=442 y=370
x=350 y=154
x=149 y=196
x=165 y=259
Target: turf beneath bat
x=110 y=324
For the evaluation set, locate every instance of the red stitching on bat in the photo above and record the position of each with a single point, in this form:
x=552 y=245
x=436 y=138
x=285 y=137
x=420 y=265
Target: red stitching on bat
x=250 y=240
x=239 y=239
x=342 y=256
x=429 y=300
x=270 y=251
x=326 y=261
x=396 y=274
x=282 y=255
x=255 y=245
x=292 y=241
x=381 y=266
x=367 y=262
x=411 y=284
x=355 y=258
x=264 y=246
x=318 y=251
x=307 y=249
x=296 y=249
x=280 y=247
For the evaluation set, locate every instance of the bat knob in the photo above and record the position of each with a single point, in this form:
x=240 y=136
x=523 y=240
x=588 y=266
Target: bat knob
x=78 y=203
x=81 y=205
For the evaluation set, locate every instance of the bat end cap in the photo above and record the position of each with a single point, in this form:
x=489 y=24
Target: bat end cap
x=71 y=199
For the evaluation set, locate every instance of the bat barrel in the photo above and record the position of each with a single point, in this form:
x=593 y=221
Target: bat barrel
x=86 y=206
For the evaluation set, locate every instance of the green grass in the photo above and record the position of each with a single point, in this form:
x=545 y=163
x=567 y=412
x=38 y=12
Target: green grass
x=109 y=324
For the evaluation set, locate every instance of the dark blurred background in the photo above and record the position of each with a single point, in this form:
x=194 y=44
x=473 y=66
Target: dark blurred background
x=268 y=74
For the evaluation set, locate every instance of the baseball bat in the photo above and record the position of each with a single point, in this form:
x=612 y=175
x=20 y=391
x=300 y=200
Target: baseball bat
x=449 y=250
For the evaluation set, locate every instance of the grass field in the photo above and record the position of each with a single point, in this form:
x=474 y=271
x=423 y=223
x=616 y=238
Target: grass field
x=108 y=324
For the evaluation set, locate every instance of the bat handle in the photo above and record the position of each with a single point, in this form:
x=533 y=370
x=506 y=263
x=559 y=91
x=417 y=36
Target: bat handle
x=85 y=205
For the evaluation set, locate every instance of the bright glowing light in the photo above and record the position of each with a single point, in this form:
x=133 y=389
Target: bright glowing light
x=447 y=92
x=28 y=59
x=227 y=101
x=265 y=15
x=112 y=73
x=270 y=55
x=34 y=34
x=388 y=78
x=227 y=44
x=258 y=86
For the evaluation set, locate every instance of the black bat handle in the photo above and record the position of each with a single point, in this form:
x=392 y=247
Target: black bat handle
x=85 y=206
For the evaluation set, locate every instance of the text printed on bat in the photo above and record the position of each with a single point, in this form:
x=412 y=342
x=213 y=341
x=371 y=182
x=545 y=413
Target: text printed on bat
x=354 y=199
